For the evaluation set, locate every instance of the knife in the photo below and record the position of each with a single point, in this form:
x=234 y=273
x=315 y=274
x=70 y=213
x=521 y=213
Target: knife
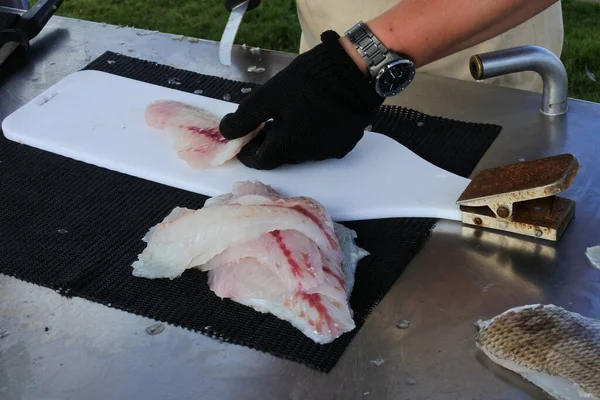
x=237 y=9
x=27 y=27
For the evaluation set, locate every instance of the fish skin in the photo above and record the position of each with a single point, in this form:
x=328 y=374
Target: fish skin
x=195 y=133
x=555 y=349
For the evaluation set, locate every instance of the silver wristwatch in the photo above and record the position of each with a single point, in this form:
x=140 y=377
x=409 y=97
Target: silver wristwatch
x=390 y=72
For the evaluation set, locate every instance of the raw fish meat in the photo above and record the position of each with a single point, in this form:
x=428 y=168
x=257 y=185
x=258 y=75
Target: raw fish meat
x=352 y=254
x=555 y=349
x=195 y=133
x=188 y=238
x=278 y=255
x=593 y=254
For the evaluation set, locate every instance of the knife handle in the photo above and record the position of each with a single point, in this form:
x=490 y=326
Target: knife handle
x=230 y=4
x=34 y=19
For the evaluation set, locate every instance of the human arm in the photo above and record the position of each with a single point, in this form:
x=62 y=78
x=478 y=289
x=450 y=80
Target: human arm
x=428 y=30
x=321 y=103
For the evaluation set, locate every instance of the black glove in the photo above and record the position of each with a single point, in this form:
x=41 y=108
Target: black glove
x=320 y=105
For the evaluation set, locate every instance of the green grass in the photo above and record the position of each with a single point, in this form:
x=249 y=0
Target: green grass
x=582 y=48
x=274 y=25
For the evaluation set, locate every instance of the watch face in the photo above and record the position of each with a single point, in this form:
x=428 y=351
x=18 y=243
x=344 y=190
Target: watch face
x=394 y=77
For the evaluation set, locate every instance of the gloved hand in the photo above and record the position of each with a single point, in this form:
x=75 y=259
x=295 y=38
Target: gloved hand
x=320 y=105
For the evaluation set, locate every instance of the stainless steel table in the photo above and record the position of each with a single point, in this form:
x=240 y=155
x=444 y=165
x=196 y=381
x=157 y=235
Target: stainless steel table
x=94 y=352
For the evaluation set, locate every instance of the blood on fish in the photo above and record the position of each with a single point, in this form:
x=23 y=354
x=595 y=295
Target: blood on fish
x=210 y=133
x=296 y=270
x=306 y=259
x=314 y=301
x=195 y=133
x=316 y=220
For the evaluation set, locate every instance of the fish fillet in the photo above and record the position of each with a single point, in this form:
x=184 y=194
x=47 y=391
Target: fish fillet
x=352 y=254
x=188 y=238
x=195 y=133
x=309 y=292
x=278 y=255
x=555 y=349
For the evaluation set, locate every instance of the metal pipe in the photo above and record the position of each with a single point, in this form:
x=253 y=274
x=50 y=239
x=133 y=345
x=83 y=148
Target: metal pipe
x=527 y=58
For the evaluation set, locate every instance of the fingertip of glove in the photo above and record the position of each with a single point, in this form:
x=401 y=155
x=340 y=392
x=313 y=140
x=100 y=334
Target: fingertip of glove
x=254 y=161
x=252 y=157
x=241 y=123
x=227 y=127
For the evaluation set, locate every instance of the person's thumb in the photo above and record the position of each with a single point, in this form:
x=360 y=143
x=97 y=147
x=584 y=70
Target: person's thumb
x=242 y=122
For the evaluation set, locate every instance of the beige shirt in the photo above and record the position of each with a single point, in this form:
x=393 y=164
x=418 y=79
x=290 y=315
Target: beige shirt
x=545 y=30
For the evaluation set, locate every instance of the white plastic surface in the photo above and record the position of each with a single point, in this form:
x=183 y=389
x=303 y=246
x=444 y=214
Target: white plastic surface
x=98 y=118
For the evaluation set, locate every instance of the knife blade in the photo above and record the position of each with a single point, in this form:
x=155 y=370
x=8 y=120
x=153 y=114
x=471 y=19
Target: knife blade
x=226 y=44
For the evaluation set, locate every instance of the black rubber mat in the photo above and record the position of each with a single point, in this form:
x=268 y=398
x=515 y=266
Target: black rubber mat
x=77 y=228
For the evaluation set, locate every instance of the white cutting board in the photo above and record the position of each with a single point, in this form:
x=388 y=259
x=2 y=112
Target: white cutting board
x=98 y=118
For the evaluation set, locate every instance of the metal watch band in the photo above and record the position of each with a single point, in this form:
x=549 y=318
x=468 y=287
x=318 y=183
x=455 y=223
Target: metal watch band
x=367 y=45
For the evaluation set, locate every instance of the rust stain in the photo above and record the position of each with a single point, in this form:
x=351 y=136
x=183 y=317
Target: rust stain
x=503 y=212
x=544 y=213
x=554 y=173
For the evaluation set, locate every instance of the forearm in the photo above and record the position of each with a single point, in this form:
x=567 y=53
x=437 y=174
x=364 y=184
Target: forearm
x=428 y=30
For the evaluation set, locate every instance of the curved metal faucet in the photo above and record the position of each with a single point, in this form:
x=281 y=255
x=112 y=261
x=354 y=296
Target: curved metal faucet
x=527 y=58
